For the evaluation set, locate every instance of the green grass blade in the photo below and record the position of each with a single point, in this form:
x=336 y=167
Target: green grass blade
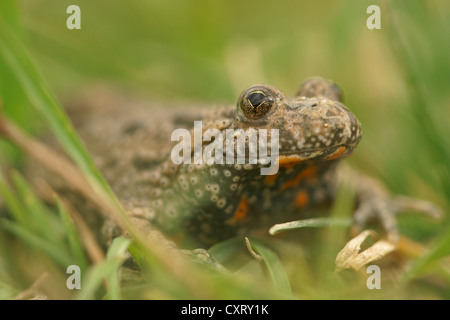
x=75 y=244
x=310 y=223
x=37 y=225
x=57 y=253
x=118 y=248
x=277 y=273
x=94 y=278
x=42 y=220
x=427 y=261
x=223 y=250
x=109 y=269
x=116 y=253
x=16 y=208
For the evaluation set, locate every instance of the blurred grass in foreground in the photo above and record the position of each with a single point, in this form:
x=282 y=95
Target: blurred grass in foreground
x=394 y=79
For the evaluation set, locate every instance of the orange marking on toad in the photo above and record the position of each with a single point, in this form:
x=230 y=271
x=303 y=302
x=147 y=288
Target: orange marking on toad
x=337 y=153
x=241 y=212
x=301 y=199
x=307 y=173
x=288 y=162
x=270 y=179
x=283 y=162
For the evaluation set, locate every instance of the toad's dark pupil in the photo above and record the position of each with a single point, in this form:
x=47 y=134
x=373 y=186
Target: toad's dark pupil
x=256 y=98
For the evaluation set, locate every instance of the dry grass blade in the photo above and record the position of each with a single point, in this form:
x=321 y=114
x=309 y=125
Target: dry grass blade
x=91 y=245
x=32 y=291
x=351 y=257
x=250 y=249
x=93 y=249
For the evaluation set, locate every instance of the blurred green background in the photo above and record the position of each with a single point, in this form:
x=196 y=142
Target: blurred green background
x=396 y=79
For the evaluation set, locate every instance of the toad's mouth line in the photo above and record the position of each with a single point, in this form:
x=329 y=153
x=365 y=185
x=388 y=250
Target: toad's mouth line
x=317 y=154
x=326 y=153
x=311 y=153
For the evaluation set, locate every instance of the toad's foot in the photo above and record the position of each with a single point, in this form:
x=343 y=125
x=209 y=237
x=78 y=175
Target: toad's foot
x=385 y=210
x=376 y=203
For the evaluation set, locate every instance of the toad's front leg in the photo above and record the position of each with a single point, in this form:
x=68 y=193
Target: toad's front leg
x=374 y=202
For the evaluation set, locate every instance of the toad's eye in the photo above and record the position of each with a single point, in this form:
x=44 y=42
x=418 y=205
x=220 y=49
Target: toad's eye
x=256 y=98
x=256 y=102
